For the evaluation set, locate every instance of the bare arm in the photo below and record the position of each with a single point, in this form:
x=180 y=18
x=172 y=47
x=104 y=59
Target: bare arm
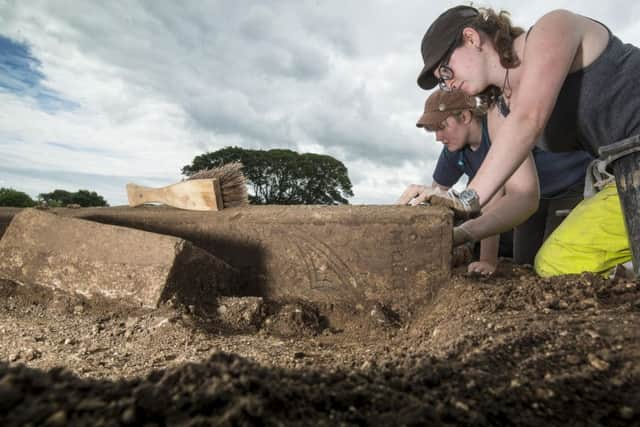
x=520 y=200
x=489 y=246
x=548 y=56
x=488 y=261
x=441 y=187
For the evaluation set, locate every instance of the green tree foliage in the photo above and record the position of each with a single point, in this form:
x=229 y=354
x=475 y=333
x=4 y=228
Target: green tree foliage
x=61 y=198
x=15 y=198
x=283 y=176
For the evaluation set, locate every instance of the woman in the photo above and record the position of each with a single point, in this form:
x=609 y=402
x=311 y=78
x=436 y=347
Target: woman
x=568 y=80
x=461 y=125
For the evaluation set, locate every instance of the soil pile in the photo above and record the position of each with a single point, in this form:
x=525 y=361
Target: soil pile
x=512 y=349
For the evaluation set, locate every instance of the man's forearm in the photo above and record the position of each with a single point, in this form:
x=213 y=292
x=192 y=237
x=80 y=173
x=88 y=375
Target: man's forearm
x=489 y=248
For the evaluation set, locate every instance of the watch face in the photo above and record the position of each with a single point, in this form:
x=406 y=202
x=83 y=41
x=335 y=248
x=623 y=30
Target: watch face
x=470 y=201
x=467 y=195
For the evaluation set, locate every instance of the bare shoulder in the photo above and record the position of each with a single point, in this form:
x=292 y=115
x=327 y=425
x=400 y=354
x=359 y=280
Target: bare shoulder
x=589 y=37
x=565 y=19
x=559 y=21
x=559 y=15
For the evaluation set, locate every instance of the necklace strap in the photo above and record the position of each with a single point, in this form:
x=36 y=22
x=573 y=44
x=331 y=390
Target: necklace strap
x=506 y=86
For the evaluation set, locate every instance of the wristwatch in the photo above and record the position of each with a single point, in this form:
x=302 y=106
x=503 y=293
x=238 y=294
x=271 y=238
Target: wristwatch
x=470 y=200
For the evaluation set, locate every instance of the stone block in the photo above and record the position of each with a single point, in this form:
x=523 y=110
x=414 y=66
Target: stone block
x=133 y=266
x=328 y=255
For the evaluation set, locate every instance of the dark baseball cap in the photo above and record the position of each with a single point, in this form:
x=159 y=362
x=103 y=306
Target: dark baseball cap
x=439 y=38
x=441 y=104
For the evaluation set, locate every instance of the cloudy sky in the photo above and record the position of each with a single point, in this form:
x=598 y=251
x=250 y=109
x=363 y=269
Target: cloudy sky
x=96 y=94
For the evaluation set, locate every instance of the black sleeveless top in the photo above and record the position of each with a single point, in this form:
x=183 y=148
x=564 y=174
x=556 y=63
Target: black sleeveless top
x=599 y=104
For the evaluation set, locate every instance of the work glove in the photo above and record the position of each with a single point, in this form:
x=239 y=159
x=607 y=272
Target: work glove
x=463 y=207
x=416 y=194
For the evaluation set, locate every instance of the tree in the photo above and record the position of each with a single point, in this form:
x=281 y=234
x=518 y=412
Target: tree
x=283 y=176
x=84 y=198
x=15 y=198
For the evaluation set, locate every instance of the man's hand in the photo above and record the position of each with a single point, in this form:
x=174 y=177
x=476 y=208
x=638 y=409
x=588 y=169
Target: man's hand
x=461 y=206
x=461 y=255
x=416 y=194
x=482 y=268
x=461 y=235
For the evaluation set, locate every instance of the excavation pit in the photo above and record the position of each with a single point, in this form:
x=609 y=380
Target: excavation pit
x=511 y=349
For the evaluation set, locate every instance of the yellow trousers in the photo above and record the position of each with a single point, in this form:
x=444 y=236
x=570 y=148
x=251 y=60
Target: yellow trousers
x=592 y=238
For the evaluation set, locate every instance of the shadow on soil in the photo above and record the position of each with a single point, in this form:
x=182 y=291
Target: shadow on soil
x=511 y=350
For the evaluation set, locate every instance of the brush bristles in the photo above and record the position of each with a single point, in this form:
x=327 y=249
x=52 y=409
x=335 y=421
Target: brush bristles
x=232 y=183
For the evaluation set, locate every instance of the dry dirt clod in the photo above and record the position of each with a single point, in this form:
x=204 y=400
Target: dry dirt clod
x=573 y=359
x=57 y=419
x=461 y=405
x=626 y=412
x=161 y=322
x=588 y=303
x=32 y=354
x=544 y=393
x=91 y=404
x=597 y=363
x=241 y=314
x=366 y=365
x=592 y=334
x=129 y=416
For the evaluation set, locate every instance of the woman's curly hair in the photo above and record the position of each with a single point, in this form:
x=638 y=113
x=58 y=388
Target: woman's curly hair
x=502 y=33
x=498 y=28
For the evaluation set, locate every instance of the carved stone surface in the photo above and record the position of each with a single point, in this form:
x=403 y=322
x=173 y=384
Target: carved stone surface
x=133 y=266
x=325 y=254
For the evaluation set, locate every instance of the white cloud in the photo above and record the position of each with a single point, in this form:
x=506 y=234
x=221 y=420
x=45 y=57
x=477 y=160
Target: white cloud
x=157 y=83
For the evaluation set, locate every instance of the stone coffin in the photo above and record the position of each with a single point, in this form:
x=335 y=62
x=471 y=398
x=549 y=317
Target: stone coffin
x=328 y=254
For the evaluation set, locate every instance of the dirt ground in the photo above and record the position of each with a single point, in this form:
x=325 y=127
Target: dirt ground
x=513 y=349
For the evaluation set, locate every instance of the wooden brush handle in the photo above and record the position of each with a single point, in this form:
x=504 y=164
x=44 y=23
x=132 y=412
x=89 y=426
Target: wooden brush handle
x=196 y=194
x=139 y=195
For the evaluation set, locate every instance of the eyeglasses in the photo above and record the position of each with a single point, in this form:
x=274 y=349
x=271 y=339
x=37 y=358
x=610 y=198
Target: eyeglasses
x=445 y=72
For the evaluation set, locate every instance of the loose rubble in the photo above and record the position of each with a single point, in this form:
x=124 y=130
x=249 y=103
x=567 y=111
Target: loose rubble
x=512 y=349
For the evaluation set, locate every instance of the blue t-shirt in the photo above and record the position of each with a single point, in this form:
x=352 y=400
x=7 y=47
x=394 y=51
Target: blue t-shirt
x=556 y=171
